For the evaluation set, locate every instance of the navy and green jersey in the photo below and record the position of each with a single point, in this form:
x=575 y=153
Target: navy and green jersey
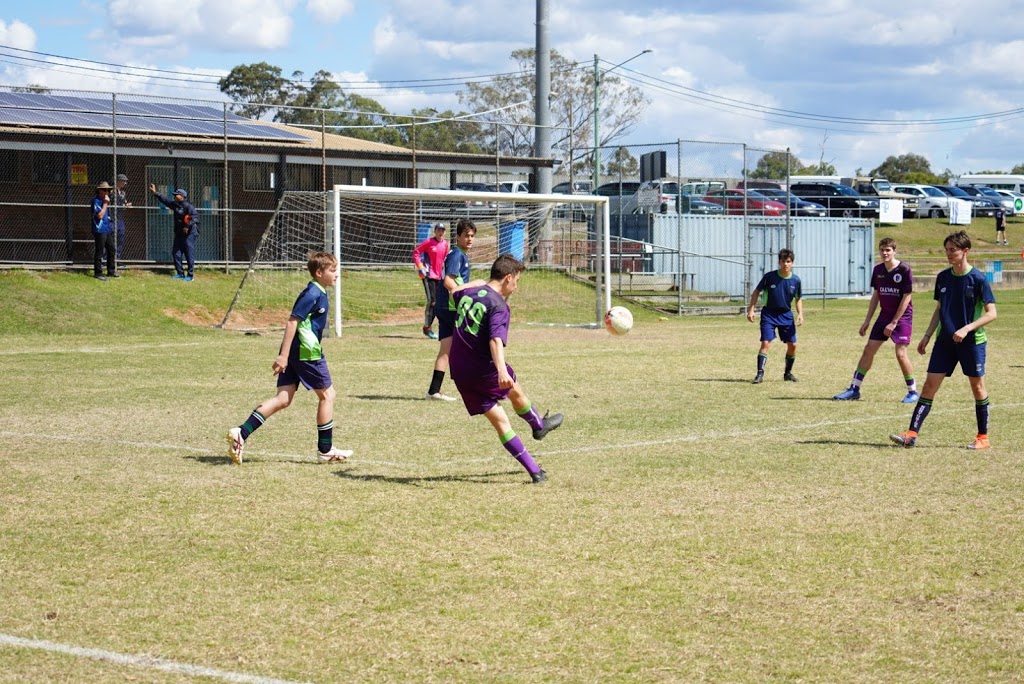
x=778 y=292
x=456 y=265
x=482 y=315
x=962 y=299
x=311 y=309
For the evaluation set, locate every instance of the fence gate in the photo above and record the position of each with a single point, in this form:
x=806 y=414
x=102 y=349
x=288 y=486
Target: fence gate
x=204 y=186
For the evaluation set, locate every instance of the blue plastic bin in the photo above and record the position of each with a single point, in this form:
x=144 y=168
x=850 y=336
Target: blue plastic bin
x=512 y=239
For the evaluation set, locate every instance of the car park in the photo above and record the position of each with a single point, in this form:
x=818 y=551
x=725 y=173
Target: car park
x=514 y=186
x=990 y=194
x=797 y=205
x=931 y=202
x=1017 y=197
x=840 y=200
x=737 y=201
x=580 y=187
x=980 y=206
x=691 y=204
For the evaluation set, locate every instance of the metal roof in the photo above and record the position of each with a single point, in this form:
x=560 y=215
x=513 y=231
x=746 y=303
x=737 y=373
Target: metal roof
x=46 y=110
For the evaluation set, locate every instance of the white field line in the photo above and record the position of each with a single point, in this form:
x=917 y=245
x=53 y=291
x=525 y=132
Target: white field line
x=592 y=448
x=101 y=350
x=141 y=661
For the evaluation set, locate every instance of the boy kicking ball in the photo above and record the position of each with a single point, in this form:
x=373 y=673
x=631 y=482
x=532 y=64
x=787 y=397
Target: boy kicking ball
x=301 y=360
x=893 y=285
x=477 y=361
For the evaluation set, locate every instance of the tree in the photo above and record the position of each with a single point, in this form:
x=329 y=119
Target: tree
x=442 y=132
x=509 y=100
x=898 y=169
x=258 y=88
x=1018 y=169
x=820 y=169
x=624 y=164
x=776 y=166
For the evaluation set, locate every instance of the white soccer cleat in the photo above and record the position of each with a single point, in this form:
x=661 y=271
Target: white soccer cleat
x=437 y=396
x=335 y=455
x=236 y=445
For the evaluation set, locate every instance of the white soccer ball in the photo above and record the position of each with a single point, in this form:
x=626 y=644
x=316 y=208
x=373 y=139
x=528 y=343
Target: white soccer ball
x=618 y=320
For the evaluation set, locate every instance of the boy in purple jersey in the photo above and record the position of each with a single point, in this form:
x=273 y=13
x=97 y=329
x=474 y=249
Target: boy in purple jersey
x=964 y=305
x=893 y=284
x=478 y=365
x=301 y=360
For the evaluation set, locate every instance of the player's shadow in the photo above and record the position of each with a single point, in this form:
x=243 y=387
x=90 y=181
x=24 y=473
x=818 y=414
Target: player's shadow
x=828 y=399
x=225 y=461
x=423 y=480
x=745 y=382
x=845 y=442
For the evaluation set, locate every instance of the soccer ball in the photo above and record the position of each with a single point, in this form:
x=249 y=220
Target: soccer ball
x=618 y=320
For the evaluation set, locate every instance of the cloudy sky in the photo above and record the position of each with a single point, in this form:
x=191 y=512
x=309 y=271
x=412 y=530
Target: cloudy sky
x=847 y=82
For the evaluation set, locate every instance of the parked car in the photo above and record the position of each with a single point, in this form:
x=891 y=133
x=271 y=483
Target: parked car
x=797 y=205
x=617 y=188
x=990 y=194
x=840 y=200
x=514 y=186
x=1017 y=197
x=931 y=202
x=736 y=201
x=580 y=187
x=442 y=209
x=691 y=204
x=980 y=206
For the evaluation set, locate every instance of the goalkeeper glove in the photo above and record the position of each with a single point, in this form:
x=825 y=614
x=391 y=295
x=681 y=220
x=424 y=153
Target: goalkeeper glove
x=422 y=272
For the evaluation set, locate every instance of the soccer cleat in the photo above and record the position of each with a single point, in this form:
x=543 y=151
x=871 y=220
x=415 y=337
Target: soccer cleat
x=178 y=276
x=335 y=455
x=911 y=398
x=849 y=394
x=789 y=377
x=906 y=439
x=430 y=333
x=236 y=445
x=187 y=279
x=113 y=275
x=538 y=477
x=100 y=276
x=980 y=442
x=550 y=423
x=437 y=396
x=759 y=378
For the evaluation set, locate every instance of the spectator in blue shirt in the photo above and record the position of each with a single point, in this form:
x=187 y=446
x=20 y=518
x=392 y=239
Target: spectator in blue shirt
x=186 y=231
x=102 y=233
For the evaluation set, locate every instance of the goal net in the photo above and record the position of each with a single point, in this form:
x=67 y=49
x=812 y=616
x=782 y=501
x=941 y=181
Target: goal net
x=374 y=231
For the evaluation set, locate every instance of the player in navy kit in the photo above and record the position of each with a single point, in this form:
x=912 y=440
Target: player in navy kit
x=780 y=289
x=456 y=273
x=301 y=360
x=893 y=284
x=964 y=304
x=478 y=365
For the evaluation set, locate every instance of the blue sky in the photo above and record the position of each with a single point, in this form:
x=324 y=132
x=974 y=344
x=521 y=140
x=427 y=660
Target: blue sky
x=847 y=82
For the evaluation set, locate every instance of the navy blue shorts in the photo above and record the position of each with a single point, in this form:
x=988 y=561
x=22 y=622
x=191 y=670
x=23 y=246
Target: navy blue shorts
x=783 y=322
x=445 y=324
x=313 y=375
x=947 y=354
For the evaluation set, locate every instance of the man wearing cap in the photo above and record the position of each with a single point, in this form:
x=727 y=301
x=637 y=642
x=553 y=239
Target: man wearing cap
x=186 y=231
x=119 y=201
x=102 y=233
x=429 y=258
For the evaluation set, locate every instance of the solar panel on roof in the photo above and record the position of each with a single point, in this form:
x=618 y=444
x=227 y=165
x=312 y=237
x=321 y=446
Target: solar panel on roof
x=40 y=109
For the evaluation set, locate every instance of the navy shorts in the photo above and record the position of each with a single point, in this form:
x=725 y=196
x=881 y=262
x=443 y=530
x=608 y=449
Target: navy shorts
x=312 y=375
x=445 y=324
x=480 y=393
x=783 y=322
x=947 y=354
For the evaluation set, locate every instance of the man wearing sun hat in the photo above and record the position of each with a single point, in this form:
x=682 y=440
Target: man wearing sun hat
x=186 y=231
x=102 y=233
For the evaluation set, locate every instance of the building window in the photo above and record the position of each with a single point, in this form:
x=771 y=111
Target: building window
x=258 y=176
x=304 y=177
x=8 y=166
x=49 y=168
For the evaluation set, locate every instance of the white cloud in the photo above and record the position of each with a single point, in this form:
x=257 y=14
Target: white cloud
x=330 y=11
x=206 y=24
x=17 y=35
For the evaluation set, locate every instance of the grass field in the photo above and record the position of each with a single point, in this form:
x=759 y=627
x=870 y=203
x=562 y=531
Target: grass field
x=695 y=528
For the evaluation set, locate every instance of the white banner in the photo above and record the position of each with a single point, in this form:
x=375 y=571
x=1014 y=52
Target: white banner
x=890 y=211
x=959 y=212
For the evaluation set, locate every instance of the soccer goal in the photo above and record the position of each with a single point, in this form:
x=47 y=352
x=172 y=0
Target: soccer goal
x=563 y=240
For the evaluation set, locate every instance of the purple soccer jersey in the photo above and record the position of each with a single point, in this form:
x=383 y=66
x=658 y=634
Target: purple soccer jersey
x=892 y=286
x=481 y=315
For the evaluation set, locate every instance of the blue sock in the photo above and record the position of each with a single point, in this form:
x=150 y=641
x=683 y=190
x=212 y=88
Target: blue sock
x=325 y=436
x=920 y=413
x=981 y=412
x=761 y=360
x=514 y=446
x=252 y=423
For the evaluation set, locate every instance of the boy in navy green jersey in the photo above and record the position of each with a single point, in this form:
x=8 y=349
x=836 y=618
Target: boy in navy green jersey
x=964 y=304
x=780 y=289
x=301 y=360
x=478 y=362
x=456 y=273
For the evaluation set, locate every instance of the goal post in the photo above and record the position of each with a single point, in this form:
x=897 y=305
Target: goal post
x=373 y=231
x=563 y=237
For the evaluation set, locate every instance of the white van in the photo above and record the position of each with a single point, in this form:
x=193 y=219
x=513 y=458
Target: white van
x=996 y=181
x=514 y=186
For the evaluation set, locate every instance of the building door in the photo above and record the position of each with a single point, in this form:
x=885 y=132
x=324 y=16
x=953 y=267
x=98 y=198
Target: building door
x=203 y=185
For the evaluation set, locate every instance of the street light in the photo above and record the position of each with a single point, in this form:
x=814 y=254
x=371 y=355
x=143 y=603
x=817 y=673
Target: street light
x=597 y=83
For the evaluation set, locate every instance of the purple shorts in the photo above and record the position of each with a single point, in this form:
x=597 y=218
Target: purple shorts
x=313 y=375
x=900 y=334
x=480 y=393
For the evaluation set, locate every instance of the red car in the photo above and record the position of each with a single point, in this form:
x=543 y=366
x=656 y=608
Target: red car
x=735 y=199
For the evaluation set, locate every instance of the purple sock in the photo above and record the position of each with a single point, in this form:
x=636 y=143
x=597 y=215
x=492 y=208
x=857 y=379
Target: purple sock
x=531 y=416
x=514 y=446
